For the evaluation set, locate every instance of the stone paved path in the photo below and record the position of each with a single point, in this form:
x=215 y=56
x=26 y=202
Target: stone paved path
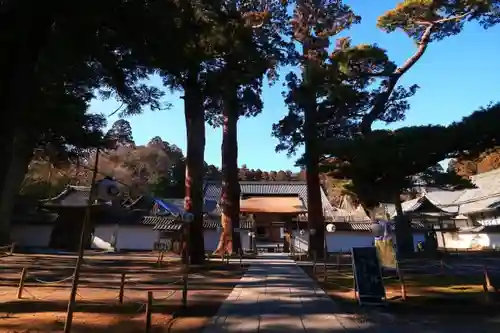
x=277 y=296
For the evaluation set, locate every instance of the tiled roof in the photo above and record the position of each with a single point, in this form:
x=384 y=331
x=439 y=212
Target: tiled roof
x=171 y=224
x=152 y=220
x=480 y=205
x=338 y=218
x=481 y=229
x=443 y=198
x=208 y=205
x=213 y=192
x=486 y=196
x=168 y=225
x=212 y=224
x=361 y=226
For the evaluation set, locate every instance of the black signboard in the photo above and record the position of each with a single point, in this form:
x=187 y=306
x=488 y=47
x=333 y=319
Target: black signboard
x=494 y=280
x=367 y=275
x=165 y=245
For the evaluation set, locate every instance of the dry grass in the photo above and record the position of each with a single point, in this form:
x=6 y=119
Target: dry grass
x=43 y=306
x=426 y=294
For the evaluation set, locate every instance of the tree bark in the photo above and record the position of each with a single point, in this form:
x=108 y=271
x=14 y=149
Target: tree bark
x=26 y=29
x=195 y=130
x=22 y=153
x=404 y=236
x=315 y=219
x=230 y=240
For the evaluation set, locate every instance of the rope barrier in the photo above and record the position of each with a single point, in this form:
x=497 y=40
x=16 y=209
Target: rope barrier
x=33 y=296
x=129 y=281
x=52 y=282
x=172 y=293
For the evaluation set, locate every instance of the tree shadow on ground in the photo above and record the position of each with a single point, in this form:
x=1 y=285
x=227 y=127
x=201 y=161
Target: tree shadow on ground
x=452 y=296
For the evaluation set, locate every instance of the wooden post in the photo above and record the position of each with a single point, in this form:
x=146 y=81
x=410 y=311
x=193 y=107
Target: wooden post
x=354 y=285
x=122 y=288
x=21 y=283
x=486 y=284
x=338 y=260
x=314 y=262
x=81 y=250
x=159 y=253
x=185 y=273
x=12 y=247
x=325 y=254
x=149 y=309
x=184 y=290
x=402 y=282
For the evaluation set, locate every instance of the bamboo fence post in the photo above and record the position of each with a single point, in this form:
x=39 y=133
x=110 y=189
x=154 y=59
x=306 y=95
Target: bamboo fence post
x=21 y=283
x=149 y=309
x=184 y=290
x=122 y=288
x=485 y=284
x=325 y=254
x=338 y=260
x=81 y=249
x=314 y=262
x=402 y=282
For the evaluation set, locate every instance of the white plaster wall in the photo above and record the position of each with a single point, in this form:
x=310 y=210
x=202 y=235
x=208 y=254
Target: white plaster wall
x=466 y=241
x=102 y=237
x=31 y=235
x=494 y=240
x=245 y=240
x=343 y=240
x=300 y=243
x=136 y=238
x=211 y=239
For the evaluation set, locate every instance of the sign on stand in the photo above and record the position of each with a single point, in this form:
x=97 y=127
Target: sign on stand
x=369 y=285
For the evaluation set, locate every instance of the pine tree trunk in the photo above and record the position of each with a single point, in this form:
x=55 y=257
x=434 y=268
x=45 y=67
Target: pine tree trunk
x=5 y=166
x=22 y=45
x=315 y=220
x=195 y=130
x=6 y=144
x=404 y=236
x=230 y=240
x=22 y=153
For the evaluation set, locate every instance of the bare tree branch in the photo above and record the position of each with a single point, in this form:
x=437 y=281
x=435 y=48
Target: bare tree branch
x=116 y=111
x=379 y=105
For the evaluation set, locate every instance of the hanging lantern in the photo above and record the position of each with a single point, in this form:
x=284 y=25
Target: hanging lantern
x=330 y=227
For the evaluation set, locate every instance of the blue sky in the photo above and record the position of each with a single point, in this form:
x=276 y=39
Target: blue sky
x=456 y=77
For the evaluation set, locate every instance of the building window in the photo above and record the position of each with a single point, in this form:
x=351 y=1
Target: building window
x=261 y=232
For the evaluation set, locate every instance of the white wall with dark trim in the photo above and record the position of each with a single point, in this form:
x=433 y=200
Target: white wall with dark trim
x=343 y=241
